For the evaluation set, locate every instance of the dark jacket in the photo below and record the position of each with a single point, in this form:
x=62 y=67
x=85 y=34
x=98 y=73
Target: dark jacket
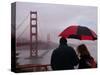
x=63 y=58
x=83 y=62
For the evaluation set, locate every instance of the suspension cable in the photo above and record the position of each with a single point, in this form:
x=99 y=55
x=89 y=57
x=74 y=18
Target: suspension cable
x=22 y=22
x=23 y=31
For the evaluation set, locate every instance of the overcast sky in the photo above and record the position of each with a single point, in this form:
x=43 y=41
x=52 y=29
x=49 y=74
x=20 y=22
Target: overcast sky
x=54 y=18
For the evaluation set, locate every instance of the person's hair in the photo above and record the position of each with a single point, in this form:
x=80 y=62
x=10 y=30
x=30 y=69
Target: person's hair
x=83 y=51
x=63 y=40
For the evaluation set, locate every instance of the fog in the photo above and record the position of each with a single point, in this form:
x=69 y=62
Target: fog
x=53 y=19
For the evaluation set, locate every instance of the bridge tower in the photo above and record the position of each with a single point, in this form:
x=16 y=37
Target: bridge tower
x=48 y=39
x=33 y=34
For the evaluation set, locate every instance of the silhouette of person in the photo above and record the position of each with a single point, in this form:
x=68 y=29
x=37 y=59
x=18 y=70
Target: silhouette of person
x=86 y=60
x=64 y=57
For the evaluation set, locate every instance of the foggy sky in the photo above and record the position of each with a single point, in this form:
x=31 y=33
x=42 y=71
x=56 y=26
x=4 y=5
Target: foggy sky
x=54 y=18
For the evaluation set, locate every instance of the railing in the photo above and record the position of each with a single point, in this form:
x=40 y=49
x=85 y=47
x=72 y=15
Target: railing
x=32 y=67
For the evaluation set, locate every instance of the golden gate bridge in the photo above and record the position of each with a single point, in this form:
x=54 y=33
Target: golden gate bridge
x=33 y=30
x=33 y=50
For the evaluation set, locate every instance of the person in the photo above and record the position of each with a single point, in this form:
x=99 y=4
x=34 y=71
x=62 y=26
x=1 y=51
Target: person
x=64 y=57
x=86 y=60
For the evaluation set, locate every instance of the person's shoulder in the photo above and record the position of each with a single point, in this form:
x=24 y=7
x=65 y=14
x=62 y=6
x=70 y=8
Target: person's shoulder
x=71 y=47
x=54 y=50
x=91 y=58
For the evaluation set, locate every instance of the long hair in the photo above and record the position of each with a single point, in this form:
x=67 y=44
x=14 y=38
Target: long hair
x=83 y=51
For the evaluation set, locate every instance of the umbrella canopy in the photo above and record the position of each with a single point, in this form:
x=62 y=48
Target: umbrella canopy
x=79 y=32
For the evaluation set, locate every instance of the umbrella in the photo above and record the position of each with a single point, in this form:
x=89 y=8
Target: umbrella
x=79 y=32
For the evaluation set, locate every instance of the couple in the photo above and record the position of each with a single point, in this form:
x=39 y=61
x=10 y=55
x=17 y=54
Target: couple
x=65 y=57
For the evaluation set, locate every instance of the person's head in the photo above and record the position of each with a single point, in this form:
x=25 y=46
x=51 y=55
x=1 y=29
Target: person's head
x=63 y=40
x=82 y=50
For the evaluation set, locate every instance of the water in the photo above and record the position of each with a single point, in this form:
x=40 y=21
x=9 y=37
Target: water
x=45 y=55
